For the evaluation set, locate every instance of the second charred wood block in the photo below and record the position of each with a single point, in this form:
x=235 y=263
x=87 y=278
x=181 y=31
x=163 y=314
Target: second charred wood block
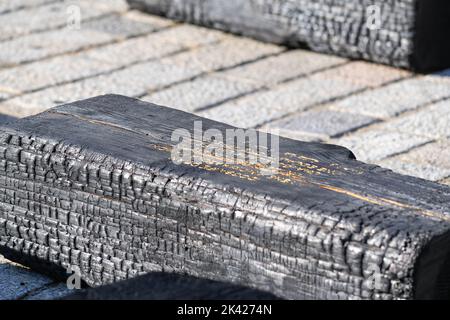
x=405 y=33
x=170 y=286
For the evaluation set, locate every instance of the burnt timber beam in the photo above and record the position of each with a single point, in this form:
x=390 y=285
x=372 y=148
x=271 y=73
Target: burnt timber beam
x=403 y=33
x=92 y=185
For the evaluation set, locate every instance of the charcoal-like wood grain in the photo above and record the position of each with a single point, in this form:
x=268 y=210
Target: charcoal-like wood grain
x=170 y=286
x=91 y=185
x=410 y=33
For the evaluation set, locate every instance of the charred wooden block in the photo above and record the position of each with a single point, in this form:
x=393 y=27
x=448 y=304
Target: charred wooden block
x=96 y=185
x=404 y=33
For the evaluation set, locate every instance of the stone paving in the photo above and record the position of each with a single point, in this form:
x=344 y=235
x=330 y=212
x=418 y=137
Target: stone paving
x=386 y=116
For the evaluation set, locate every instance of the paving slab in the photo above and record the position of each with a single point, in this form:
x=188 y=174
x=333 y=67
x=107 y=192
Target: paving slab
x=50 y=292
x=393 y=99
x=45 y=17
x=370 y=75
x=7 y=6
x=55 y=42
x=200 y=93
x=377 y=143
x=51 y=72
x=6 y=93
x=431 y=121
x=292 y=134
x=226 y=85
x=132 y=81
x=127 y=25
x=42 y=74
x=323 y=123
x=40 y=46
x=287 y=65
x=413 y=169
x=230 y=52
x=136 y=80
x=113 y=5
x=158 y=44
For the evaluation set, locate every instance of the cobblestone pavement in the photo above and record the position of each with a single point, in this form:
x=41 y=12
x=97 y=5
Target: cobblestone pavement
x=386 y=116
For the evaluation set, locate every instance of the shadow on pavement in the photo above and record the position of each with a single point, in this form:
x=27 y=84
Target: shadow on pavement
x=5 y=119
x=445 y=73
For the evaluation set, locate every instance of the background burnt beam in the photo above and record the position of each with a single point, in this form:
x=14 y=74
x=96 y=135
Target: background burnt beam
x=431 y=43
x=409 y=34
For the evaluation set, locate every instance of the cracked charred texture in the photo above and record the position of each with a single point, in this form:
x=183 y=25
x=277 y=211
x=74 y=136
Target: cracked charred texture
x=90 y=185
x=404 y=33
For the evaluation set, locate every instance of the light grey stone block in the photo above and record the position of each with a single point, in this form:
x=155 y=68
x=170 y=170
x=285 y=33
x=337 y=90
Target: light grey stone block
x=42 y=45
x=431 y=161
x=431 y=121
x=6 y=93
x=140 y=78
x=200 y=93
x=113 y=5
x=414 y=169
x=374 y=144
x=6 y=6
x=288 y=65
x=294 y=96
x=370 y=75
x=133 y=81
x=229 y=84
x=42 y=74
x=323 y=123
x=154 y=45
x=398 y=97
x=49 y=16
x=291 y=134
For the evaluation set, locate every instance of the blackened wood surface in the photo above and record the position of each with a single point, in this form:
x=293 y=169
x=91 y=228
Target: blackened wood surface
x=91 y=185
x=403 y=33
x=170 y=286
